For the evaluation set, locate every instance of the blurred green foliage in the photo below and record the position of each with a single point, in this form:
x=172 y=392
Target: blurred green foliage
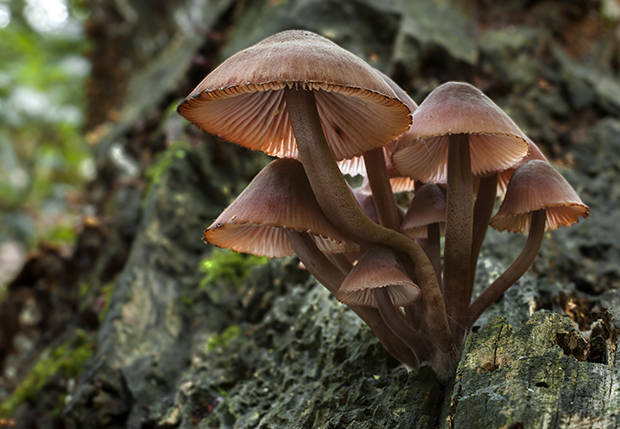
x=44 y=159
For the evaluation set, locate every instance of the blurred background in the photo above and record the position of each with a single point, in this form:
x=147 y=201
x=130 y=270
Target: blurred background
x=105 y=190
x=44 y=158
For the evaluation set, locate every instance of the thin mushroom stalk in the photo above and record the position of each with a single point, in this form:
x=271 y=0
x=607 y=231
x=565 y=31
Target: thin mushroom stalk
x=432 y=246
x=515 y=271
x=396 y=322
x=381 y=188
x=331 y=277
x=459 y=224
x=483 y=209
x=339 y=205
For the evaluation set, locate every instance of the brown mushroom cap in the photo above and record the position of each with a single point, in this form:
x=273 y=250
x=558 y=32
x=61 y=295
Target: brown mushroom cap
x=355 y=166
x=377 y=268
x=242 y=100
x=278 y=198
x=496 y=142
x=536 y=185
x=533 y=152
x=427 y=207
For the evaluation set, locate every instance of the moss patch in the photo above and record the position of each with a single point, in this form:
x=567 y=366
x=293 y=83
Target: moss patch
x=66 y=360
x=224 y=339
x=228 y=266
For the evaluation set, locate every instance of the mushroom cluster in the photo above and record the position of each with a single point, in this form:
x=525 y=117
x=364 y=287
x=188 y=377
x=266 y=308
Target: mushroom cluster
x=323 y=111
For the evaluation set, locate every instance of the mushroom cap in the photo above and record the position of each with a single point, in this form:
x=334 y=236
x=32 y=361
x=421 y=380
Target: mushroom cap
x=278 y=198
x=533 y=152
x=536 y=185
x=355 y=166
x=377 y=268
x=428 y=206
x=496 y=142
x=242 y=99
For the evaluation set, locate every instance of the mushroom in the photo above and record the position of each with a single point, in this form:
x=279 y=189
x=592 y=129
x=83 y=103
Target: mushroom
x=243 y=101
x=379 y=281
x=459 y=132
x=331 y=276
x=537 y=198
x=279 y=198
x=298 y=94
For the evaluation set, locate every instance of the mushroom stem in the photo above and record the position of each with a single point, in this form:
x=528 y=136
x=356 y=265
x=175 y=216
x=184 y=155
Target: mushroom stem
x=396 y=322
x=482 y=214
x=515 y=271
x=459 y=223
x=339 y=205
x=432 y=246
x=331 y=277
x=315 y=261
x=381 y=188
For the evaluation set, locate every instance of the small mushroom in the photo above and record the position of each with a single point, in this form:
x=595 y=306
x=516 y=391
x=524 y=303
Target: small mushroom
x=536 y=185
x=378 y=268
x=537 y=198
x=279 y=198
x=379 y=281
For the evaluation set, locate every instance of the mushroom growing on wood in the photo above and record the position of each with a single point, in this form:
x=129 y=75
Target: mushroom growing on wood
x=537 y=198
x=298 y=95
x=459 y=132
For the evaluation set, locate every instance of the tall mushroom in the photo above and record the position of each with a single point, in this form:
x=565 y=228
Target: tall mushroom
x=458 y=132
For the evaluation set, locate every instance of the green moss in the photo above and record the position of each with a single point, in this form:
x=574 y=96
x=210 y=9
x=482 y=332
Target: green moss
x=224 y=339
x=226 y=265
x=66 y=360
